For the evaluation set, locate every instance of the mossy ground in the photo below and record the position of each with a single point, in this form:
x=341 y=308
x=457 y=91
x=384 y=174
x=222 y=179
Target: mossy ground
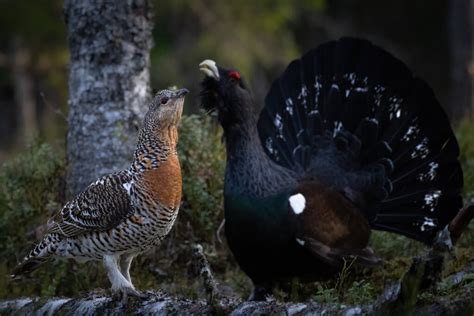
x=32 y=189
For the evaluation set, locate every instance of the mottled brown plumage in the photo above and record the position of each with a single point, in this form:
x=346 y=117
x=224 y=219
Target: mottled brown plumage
x=125 y=213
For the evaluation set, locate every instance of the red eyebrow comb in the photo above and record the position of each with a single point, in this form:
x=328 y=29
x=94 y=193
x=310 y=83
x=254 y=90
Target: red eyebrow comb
x=234 y=75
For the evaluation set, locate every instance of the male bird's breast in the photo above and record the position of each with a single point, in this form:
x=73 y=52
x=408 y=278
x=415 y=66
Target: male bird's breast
x=163 y=184
x=270 y=240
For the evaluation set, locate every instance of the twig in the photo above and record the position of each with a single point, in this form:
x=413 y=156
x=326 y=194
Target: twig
x=219 y=230
x=55 y=109
x=457 y=226
x=202 y=268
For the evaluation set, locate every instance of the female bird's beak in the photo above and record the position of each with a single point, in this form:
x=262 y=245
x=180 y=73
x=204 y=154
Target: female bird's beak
x=181 y=93
x=209 y=68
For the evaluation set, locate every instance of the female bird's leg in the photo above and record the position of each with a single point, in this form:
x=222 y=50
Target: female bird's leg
x=125 y=263
x=120 y=285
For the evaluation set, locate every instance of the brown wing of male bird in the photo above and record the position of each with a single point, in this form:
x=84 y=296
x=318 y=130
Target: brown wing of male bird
x=101 y=206
x=331 y=227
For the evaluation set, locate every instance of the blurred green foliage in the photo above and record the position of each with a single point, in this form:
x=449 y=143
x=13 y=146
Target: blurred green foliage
x=202 y=156
x=30 y=189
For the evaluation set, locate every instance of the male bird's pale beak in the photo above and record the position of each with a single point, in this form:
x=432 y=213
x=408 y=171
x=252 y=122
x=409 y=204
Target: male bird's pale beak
x=209 y=68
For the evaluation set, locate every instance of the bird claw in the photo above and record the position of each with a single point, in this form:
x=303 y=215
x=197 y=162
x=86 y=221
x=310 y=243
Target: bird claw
x=124 y=293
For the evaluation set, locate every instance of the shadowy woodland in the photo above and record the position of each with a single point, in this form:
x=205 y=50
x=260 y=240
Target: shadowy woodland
x=257 y=37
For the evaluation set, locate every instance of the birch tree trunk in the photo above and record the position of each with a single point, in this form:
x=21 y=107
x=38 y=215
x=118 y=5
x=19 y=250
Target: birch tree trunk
x=109 y=43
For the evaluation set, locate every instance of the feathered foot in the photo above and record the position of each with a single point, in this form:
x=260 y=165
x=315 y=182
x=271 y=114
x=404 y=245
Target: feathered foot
x=121 y=287
x=124 y=293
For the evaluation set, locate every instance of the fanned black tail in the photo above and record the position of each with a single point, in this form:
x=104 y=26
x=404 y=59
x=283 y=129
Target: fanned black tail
x=351 y=115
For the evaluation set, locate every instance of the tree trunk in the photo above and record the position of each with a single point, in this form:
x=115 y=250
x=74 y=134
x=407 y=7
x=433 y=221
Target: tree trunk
x=109 y=43
x=459 y=24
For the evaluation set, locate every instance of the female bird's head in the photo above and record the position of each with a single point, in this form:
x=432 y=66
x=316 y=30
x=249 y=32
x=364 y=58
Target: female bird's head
x=225 y=91
x=166 y=108
x=163 y=117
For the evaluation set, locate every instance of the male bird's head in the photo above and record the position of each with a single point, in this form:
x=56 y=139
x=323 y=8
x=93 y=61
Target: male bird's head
x=166 y=108
x=225 y=90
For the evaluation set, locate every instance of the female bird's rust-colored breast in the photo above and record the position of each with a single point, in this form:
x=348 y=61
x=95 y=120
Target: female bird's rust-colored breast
x=164 y=184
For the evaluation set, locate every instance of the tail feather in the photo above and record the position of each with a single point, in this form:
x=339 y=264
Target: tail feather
x=355 y=117
x=39 y=255
x=27 y=266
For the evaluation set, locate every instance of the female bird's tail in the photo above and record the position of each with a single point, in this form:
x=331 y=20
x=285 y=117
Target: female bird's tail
x=39 y=255
x=351 y=115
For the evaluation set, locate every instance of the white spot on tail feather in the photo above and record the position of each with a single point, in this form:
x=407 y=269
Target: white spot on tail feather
x=431 y=200
x=361 y=89
x=428 y=222
x=317 y=90
x=337 y=128
x=421 y=150
x=300 y=241
x=303 y=92
x=289 y=106
x=297 y=203
x=302 y=96
x=278 y=122
x=411 y=133
x=270 y=148
x=431 y=174
x=374 y=120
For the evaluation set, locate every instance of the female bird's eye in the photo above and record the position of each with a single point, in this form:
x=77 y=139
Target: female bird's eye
x=234 y=75
x=164 y=100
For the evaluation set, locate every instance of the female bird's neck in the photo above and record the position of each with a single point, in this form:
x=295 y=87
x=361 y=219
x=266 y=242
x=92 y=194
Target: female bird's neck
x=155 y=145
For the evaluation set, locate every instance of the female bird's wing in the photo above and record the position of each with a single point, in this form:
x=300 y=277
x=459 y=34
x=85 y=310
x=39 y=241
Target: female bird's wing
x=101 y=206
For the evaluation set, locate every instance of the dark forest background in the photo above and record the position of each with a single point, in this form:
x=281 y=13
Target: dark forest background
x=257 y=37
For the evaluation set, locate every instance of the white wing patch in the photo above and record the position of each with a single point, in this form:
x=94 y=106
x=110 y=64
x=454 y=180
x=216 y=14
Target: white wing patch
x=127 y=186
x=297 y=203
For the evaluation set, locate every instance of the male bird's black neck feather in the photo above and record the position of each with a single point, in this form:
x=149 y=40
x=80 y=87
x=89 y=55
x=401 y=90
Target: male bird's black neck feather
x=249 y=170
